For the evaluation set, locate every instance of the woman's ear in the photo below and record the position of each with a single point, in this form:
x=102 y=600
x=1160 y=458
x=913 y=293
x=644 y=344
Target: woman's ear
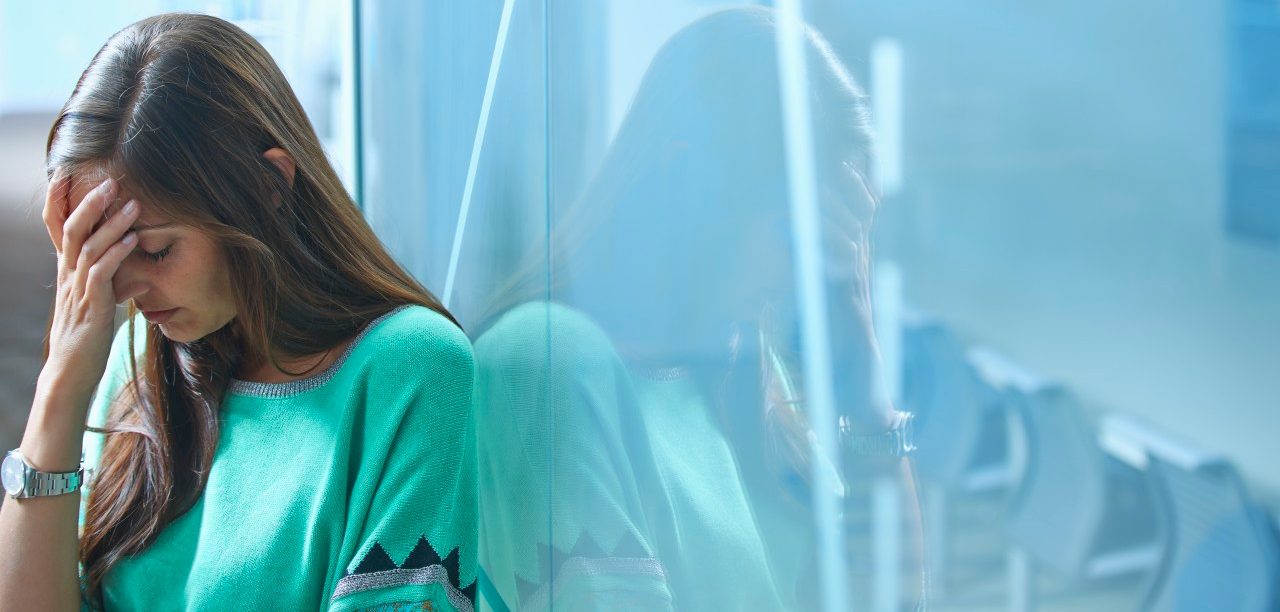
x=283 y=162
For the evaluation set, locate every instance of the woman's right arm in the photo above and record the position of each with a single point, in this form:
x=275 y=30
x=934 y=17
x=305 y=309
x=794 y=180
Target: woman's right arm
x=38 y=535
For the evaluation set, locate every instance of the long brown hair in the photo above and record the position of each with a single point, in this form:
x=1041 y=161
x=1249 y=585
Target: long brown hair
x=179 y=108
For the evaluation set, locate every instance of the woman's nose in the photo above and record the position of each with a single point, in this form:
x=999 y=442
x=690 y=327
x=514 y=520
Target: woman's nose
x=130 y=280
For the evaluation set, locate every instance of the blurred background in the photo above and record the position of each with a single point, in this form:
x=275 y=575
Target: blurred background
x=1074 y=270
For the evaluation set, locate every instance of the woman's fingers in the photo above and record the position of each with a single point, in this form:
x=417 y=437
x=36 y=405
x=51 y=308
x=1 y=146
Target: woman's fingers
x=80 y=222
x=105 y=237
x=108 y=234
x=100 y=273
x=55 y=207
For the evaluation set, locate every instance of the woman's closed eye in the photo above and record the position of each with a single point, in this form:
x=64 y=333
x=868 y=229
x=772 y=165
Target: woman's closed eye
x=158 y=255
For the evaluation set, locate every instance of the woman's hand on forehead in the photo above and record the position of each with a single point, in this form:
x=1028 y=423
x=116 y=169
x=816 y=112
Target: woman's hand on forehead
x=114 y=207
x=123 y=196
x=83 y=185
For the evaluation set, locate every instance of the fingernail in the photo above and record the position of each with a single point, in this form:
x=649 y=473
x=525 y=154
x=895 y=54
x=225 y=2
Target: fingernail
x=109 y=185
x=131 y=207
x=130 y=237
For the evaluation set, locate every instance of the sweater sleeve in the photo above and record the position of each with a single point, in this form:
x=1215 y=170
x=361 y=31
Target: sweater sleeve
x=412 y=533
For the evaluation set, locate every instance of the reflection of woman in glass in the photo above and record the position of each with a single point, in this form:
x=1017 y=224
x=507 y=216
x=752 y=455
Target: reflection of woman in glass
x=646 y=442
x=284 y=422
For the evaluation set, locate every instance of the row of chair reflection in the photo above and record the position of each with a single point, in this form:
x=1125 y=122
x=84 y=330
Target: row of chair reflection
x=1087 y=496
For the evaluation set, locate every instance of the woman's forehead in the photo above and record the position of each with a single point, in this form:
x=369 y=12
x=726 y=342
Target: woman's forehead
x=85 y=182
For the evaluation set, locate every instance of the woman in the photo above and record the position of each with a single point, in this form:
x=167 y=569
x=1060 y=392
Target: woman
x=285 y=419
x=645 y=441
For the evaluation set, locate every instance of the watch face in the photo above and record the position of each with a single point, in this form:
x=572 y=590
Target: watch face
x=11 y=473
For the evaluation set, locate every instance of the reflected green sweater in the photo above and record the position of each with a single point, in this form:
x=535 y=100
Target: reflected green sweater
x=605 y=489
x=350 y=489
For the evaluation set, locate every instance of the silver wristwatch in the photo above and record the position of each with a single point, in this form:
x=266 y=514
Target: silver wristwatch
x=22 y=481
x=898 y=441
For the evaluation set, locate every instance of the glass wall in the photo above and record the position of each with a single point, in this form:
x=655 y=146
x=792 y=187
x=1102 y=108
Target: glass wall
x=849 y=305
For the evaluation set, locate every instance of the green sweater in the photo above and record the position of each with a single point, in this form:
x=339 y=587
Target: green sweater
x=608 y=489
x=353 y=488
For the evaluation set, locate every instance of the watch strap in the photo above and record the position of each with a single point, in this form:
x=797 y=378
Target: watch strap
x=54 y=483
x=36 y=483
x=898 y=441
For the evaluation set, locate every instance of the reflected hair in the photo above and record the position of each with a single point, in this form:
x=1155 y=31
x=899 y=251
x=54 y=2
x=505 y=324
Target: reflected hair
x=703 y=130
x=696 y=170
x=179 y=108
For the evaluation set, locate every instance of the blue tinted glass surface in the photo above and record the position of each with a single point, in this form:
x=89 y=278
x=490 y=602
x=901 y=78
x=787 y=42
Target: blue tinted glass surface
x=723 y=263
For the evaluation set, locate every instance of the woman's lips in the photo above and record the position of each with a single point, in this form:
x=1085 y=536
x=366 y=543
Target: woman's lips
x=159 y=316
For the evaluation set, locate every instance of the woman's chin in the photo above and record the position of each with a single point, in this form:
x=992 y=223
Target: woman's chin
x=175 y=335
x=186 y=333
x=177 y=332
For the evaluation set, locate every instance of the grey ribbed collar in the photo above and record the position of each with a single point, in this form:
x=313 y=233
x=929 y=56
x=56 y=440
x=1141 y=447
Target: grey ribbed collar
x=315 y=381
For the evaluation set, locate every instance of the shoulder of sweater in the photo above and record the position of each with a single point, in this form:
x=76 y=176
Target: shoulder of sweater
x=421 y=336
